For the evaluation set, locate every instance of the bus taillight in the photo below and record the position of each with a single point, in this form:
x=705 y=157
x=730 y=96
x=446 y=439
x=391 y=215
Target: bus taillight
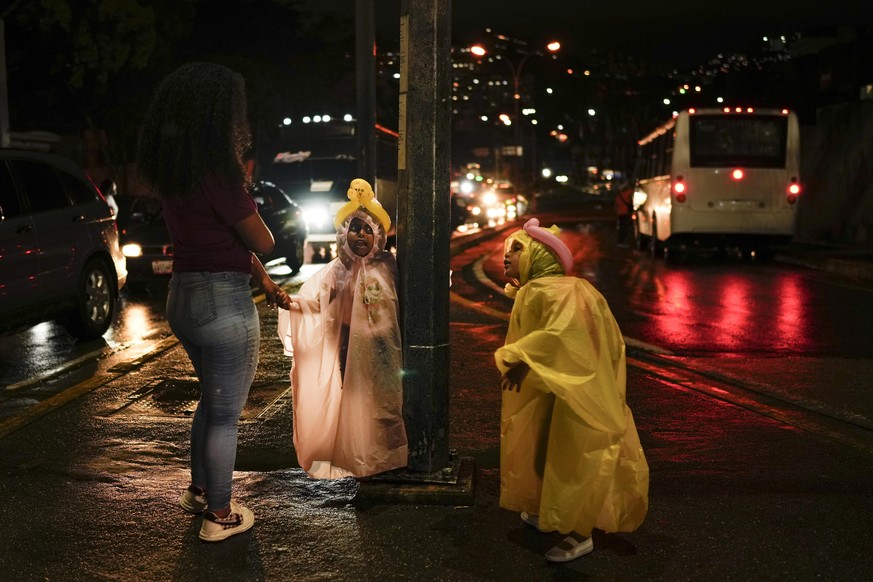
x=737 y=174
x=793 y=191
x=679 y=189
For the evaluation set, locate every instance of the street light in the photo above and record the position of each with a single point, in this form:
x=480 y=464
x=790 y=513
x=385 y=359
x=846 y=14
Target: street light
x=515 y=70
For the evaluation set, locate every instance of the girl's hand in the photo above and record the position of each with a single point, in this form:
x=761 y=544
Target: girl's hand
x=514 y=376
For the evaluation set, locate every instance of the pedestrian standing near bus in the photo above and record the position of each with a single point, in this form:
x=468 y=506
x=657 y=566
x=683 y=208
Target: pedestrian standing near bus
x=624 y=212
x=191 y=155
x=570 y=456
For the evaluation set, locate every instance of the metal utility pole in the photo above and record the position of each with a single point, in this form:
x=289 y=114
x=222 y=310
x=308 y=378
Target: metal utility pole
x=423 y=227
x=365 y=85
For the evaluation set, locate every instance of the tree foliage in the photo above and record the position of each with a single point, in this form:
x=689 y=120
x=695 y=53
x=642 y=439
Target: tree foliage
x=93 y=64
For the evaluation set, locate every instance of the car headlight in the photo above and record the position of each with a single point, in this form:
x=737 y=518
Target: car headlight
x=131 y=250
x=489 y=198
x=316 y=216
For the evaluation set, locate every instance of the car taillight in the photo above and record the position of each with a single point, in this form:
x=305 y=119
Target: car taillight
x=679 y=189
x=737 y=174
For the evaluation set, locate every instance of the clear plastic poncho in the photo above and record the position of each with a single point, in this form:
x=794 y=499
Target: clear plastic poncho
x=569 y=449
x=351 y=423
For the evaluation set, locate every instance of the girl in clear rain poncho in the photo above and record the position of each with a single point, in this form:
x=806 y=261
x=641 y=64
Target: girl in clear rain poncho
x=570 y=456
x=342 y=330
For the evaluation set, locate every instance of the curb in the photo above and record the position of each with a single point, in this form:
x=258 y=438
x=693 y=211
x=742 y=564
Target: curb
x=853 y=269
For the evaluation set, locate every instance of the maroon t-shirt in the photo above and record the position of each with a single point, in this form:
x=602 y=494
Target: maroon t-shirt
x=201 y=228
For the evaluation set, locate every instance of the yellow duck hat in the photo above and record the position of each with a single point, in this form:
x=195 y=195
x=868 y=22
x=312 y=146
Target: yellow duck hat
x=361 y=195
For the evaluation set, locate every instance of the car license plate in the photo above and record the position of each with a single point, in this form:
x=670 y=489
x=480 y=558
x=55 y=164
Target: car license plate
x=162 y=267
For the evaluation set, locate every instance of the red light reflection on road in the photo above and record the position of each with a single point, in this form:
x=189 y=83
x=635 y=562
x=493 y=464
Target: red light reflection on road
x=724 y=313
x=791 y=313
x=733 y=324
x=677 y=321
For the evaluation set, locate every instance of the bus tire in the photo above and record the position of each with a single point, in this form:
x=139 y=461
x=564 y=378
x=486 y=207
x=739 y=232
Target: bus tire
x=655 y=247
x=639 y=238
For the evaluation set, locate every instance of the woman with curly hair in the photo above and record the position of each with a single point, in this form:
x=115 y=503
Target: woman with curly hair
x=191 y=154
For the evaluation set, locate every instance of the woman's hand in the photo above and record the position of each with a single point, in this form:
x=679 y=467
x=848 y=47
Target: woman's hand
x=514 y=376
x=276 y=296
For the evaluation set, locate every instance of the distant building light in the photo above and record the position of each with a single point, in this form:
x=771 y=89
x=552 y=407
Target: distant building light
x=286 y=121
x=719 y=99
x=547 y=173
x=484 y=118
x=666 y=102
x=348 y=117
x=561 y=179
x=317 y=119
x=307 y=119
x=549 y=90
x=591 y=112
x=587 y=73
x=325 y=118
x=396 y=75
x=534 y=122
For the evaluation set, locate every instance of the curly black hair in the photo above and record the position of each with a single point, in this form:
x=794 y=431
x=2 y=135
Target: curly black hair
x=195 y=128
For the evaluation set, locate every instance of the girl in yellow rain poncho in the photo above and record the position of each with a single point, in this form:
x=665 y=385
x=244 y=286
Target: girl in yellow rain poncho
x=570 y=457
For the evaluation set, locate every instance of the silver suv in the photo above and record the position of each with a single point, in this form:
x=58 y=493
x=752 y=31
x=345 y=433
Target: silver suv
x=59 y=252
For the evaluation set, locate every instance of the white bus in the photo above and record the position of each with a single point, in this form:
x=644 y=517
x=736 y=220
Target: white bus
x=718 y=177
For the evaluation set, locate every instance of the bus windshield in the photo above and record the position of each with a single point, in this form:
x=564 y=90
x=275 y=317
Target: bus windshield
x=755 y=141
x=313 y=170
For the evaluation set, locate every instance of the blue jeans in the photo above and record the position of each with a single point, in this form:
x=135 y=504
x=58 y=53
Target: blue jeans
x=216 y=321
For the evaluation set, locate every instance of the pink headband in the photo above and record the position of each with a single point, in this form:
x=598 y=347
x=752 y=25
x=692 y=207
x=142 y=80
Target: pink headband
x=536 y=232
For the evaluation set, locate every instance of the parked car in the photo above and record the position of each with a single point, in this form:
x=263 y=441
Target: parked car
x=145 y=240
x=285 y=220
x=59 y=251
x=146 y=243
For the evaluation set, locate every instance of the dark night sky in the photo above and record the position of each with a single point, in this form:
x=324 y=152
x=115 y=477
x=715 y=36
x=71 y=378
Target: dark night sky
x=671 y=32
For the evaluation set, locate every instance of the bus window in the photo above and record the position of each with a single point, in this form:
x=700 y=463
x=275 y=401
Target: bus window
x=749 y=140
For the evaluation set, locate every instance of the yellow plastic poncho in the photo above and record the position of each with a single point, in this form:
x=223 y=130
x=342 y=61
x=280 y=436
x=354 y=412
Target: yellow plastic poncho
x=569 y=449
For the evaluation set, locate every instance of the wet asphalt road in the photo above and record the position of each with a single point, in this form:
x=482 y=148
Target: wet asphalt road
x=737 y=491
